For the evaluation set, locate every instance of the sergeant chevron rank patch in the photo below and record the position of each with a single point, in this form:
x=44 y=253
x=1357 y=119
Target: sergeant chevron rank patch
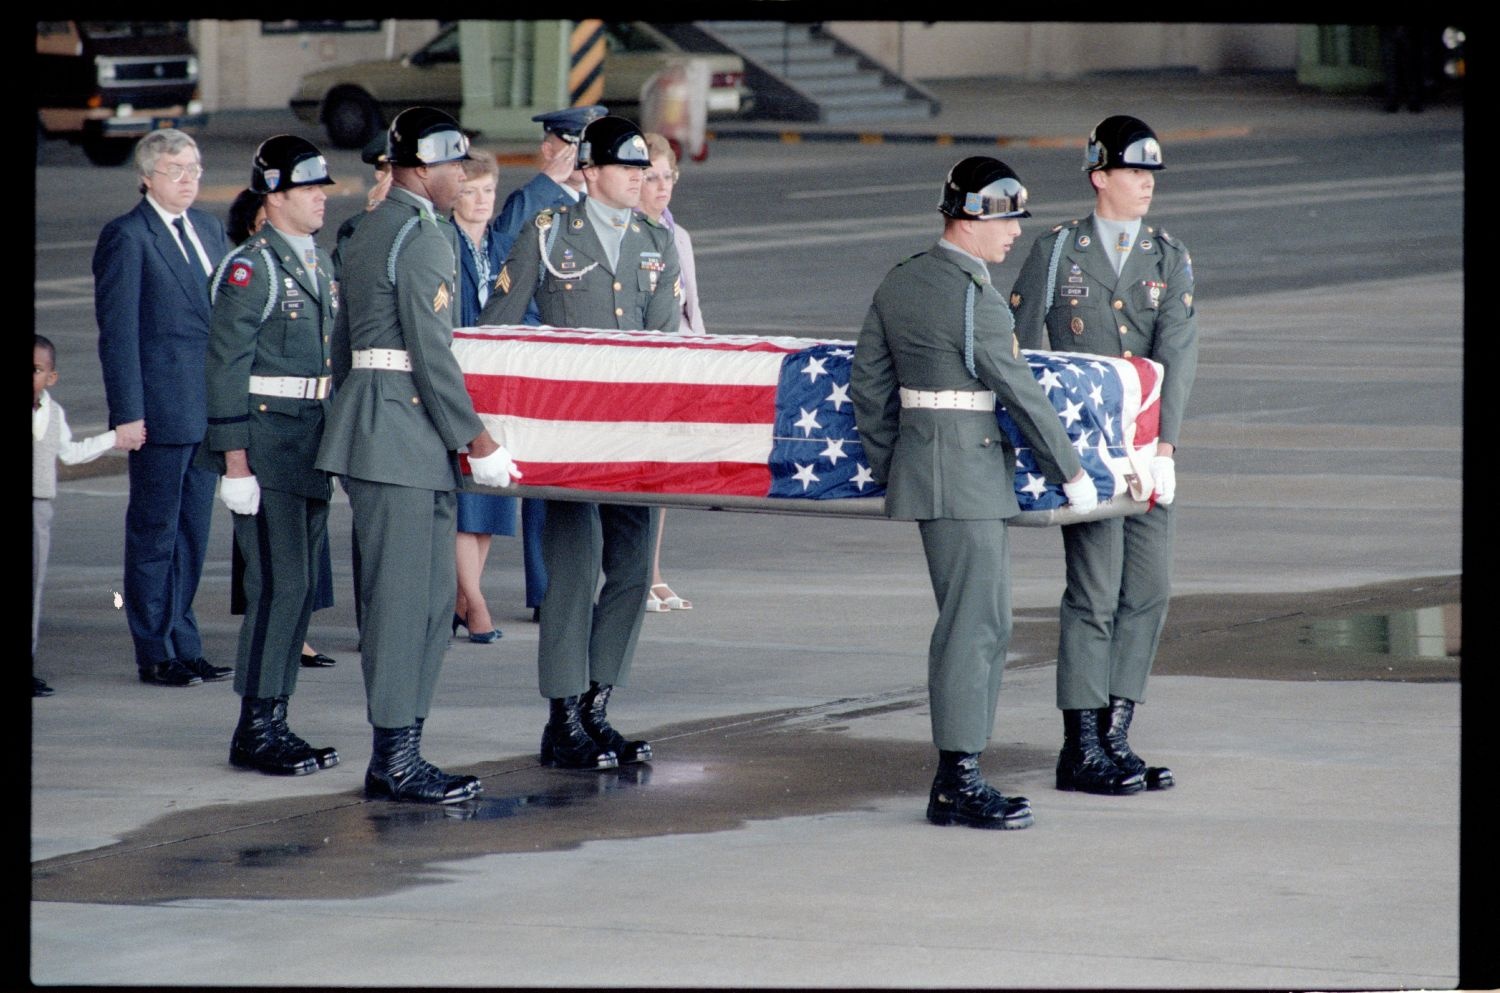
x=441 y=299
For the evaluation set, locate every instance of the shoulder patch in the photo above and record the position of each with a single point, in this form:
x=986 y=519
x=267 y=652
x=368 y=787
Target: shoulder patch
x=240 y=271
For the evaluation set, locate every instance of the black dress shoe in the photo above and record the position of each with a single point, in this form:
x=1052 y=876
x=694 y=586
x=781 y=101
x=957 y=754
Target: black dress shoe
x=318 y=660
x=206 y=671
x=39 y=688
x=169 y=673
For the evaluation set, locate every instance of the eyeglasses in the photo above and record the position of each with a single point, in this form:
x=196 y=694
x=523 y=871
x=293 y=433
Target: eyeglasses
x=177 y=173
x=662 y=177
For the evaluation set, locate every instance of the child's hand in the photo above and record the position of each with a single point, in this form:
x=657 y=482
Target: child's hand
x=130 y=437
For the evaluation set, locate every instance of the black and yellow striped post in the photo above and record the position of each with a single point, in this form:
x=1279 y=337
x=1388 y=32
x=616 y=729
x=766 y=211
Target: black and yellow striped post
x=586 y=48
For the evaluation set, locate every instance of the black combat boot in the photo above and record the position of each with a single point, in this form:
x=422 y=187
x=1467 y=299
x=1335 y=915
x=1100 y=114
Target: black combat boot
x=567 y=745
x=257 y=744
x=1083 y=764
x=1115 y=720
x=961 y=796
x=398 y=771
x=591 y=714
x=326 y=758
x=470 y=783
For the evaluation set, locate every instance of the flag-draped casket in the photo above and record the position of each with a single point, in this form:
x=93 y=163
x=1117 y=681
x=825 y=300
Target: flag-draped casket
x=759 y=423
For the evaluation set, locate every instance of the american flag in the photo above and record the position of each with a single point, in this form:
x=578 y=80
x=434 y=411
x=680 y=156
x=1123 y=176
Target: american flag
x=730 y=415
x=1111 y=408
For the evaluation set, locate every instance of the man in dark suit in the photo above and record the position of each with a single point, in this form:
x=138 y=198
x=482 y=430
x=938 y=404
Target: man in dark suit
x=151 y=272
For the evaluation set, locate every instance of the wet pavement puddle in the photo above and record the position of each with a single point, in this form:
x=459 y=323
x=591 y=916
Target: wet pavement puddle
x=710 y=777
x=715 y=775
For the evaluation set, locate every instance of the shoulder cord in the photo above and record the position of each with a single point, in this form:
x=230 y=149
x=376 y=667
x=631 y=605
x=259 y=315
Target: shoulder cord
x=265 y=254
x=390 y=263
x=1057 y=250
x=545 y=238
x=969 y=329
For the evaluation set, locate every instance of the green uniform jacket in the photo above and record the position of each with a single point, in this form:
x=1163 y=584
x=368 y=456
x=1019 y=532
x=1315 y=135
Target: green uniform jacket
x=954 y=464
x=644 y=291
x=403 y=428
x=271 y=317
x=1147 y=310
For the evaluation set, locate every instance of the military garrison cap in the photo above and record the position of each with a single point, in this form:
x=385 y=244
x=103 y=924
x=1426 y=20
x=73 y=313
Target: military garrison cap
x=569 y=122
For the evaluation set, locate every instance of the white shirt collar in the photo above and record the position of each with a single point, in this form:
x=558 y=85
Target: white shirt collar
x=167 y=216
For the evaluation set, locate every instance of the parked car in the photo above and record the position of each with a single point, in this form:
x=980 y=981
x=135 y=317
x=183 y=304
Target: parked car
x=104 y=84
x=353 y=102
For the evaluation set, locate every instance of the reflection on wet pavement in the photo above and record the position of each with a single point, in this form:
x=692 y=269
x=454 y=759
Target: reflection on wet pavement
x=1405 y=631
x=711 y=777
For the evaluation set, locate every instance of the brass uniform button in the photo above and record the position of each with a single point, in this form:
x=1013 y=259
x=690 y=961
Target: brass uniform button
x=1119 y=304
x=618 y=287
x=416 y=400
x=1124 y=329
x=1074 y=301
x=567 y=286
x=619 y=311
x=262 y=408
x=1128 y=354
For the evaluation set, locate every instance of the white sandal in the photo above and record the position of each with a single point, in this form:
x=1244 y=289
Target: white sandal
x=660 y=605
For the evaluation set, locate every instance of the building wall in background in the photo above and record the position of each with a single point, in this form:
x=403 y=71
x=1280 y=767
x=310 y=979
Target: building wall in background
x=245 y=67
x=1043 y=50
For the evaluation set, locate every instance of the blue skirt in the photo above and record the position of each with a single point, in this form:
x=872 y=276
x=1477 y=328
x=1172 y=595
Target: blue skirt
x=486 y=513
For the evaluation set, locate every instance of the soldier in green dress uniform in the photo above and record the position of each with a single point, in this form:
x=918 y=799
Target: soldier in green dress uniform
x=935 y=353
x=399 y=419
x=1111 y=284
x=598 y=264
x=268 y=378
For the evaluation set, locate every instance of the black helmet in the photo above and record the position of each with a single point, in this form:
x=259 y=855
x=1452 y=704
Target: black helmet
x=983 y=189
x=1122 y=142
x=424 y=136
x=286 y=161
x=612 y=141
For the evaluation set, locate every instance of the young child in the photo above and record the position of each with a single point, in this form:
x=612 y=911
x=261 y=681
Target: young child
x=50 y=440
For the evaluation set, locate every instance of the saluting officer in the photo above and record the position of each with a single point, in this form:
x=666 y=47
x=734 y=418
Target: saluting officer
x=601 y=264
x=268 y=372
x=934 y=354
x=560 y=182
x=1111 y=284
x=398 y=421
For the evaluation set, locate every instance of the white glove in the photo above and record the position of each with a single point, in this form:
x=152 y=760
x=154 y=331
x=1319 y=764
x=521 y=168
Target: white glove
x=1083 y=495
x=494 y=469
x=1164 y=472
x=241 y=494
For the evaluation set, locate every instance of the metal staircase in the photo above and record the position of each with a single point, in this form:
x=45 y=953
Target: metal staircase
x=799 y=73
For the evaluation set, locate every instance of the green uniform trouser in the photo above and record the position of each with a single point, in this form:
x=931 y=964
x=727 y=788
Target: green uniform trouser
x=584 y=638
x=280 y=546
x=969 y=563
x=407 y=579
x=1114 y=607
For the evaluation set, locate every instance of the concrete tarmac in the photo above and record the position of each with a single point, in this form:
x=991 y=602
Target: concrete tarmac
x=1307 y=697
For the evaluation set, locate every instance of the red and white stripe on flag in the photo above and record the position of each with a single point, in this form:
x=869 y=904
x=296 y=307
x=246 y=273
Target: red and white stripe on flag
x=628 y=411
